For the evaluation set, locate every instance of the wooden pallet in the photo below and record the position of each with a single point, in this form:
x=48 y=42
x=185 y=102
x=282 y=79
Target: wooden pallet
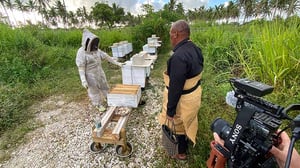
x=116 y=135
x=106 y=135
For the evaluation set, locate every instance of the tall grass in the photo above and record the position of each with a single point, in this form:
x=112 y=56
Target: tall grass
x=273 y=54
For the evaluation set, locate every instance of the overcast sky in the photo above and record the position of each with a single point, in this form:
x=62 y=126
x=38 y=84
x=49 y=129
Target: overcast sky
x=134 y=6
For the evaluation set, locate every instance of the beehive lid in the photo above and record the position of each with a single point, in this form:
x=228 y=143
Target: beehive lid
x=124 y=89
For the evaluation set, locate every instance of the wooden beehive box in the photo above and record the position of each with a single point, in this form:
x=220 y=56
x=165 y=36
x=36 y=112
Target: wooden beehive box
x=124 y=95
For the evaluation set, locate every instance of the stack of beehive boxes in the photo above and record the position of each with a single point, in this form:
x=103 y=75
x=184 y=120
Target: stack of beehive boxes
x=152 y=45
x=136 y=70
x=121 y=49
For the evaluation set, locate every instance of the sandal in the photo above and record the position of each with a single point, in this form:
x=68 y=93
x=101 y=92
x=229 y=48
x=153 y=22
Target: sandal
x=179 y=157
x=100 y=108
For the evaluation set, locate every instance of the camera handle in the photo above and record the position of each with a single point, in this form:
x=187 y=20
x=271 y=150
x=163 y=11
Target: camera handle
x=295 y=137
x=218 y=156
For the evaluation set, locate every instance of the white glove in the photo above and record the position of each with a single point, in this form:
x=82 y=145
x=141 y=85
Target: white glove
x=82 y=77
x=120 y=64
x=85 y=84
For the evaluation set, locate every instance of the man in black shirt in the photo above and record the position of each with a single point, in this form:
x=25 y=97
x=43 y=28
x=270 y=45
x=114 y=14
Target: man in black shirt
x=182 y=96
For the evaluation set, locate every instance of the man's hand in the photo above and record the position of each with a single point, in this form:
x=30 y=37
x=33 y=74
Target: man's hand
x=281 y=152
x=218 y=139
x=170 y=118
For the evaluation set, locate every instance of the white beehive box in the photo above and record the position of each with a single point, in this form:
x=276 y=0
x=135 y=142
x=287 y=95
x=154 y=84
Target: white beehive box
x=132 y=75
x=139 y=59
x=129 y=47
x=114 y=50
x=118 y=50
x=136 y=74
x=153 y=41
x=152 y=57
x=149 y=49
x=121 y=50
x=124 y=47
x=124 y=95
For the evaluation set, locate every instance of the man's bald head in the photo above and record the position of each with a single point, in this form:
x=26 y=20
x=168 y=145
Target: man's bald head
x=179 y=31
x=181 y=27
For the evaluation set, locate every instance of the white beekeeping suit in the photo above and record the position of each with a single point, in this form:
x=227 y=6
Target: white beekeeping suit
x=92 y=76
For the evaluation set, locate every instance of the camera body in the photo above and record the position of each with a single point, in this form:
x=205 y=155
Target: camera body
x=253 y=133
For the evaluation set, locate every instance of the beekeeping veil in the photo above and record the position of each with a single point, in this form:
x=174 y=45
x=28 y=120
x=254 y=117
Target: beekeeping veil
x=89 y=41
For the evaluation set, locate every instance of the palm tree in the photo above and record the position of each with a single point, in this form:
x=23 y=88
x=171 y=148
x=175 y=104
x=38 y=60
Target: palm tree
x=19 y=5
x=118 y=13
x=79 y=15
x=42 y=6
x=31 y=7
x=61 y=11
x=172 y=5
x=294 y=5
x=10 y=6
x=147 y=8
x=218 y=12
x=278 y=5
x=179 y=9
x=52 y=16
x=7 y=16
x=232 y=10
x=210 y=13
x=73 y=20
x=247 y=6
x=263 y=8
x=87 y=16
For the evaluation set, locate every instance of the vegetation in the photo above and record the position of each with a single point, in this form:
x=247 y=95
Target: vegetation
x=38 y=62
x=53 y=15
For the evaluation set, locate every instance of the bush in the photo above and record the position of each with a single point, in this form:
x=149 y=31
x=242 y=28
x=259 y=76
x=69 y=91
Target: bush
x=154 y=25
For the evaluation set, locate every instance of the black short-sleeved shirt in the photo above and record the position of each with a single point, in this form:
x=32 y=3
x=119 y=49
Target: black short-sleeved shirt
x=185 y=63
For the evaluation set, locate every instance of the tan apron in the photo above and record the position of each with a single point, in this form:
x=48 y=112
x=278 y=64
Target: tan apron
x=186 y=120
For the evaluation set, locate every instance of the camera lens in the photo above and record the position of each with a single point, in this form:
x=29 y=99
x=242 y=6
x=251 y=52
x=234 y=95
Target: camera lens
x=221 y=127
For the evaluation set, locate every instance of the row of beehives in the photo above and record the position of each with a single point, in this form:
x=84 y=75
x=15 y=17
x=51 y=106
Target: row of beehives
x=137 y=69
x=123 y=48
x=152 y=44
x=134 y=76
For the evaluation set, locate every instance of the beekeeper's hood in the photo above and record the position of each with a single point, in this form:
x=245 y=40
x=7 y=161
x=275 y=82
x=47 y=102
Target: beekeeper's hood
x=90 y=41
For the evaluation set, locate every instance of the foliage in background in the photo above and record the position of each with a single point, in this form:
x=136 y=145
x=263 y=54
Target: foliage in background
x=108 y=37
x=152 y=25
x=104 y=14
x=261 y=50
x=273 y=54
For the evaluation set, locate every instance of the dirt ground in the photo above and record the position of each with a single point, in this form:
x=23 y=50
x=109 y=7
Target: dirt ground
x=65 y=138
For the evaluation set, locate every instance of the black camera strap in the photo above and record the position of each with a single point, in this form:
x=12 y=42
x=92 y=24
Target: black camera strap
x=244 y=115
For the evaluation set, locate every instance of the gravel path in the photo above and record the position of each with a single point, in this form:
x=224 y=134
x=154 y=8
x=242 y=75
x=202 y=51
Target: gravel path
x=65 y=138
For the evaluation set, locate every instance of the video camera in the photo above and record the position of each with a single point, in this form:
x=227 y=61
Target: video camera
x=249 y=139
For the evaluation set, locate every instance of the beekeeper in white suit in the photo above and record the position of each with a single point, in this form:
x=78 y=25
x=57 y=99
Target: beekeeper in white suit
x=92 y=76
